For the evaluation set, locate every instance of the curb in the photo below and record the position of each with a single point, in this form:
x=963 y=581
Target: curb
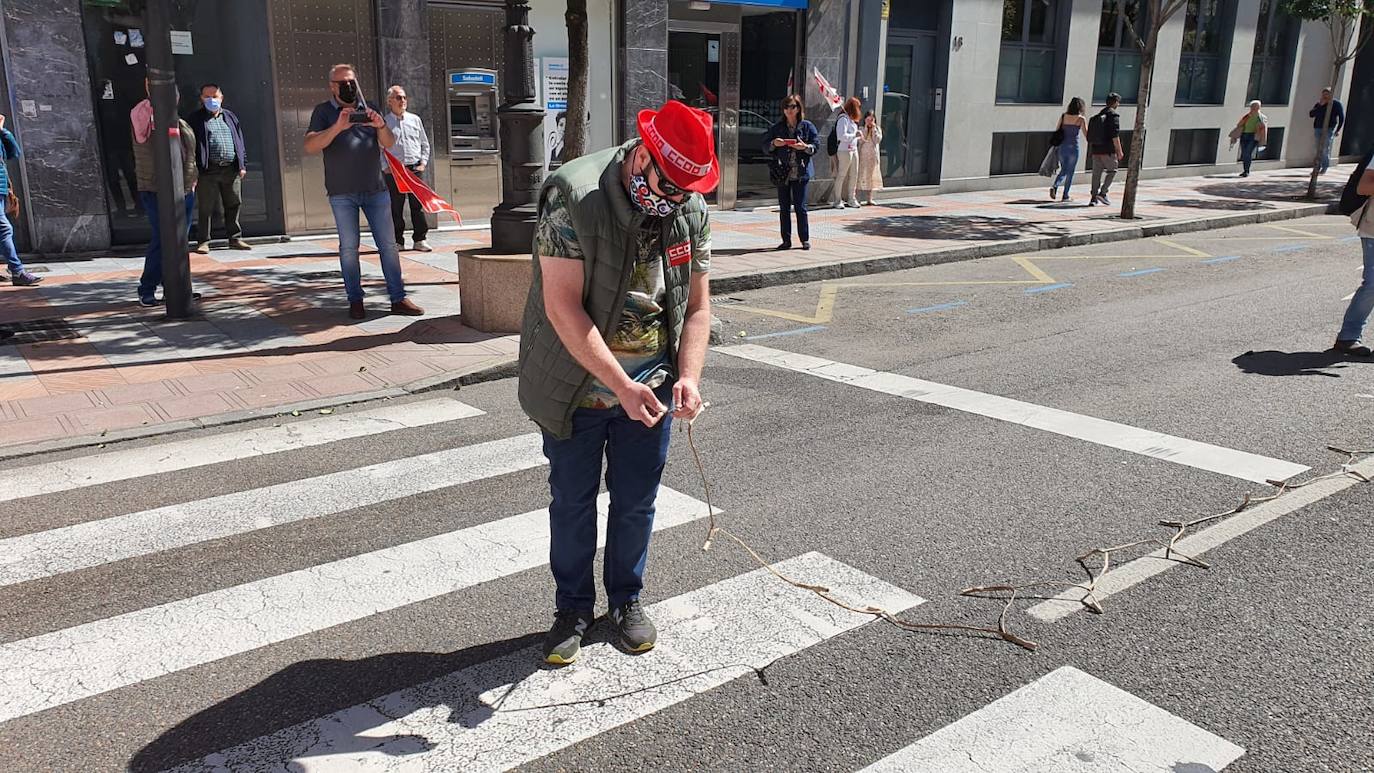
x=751 y=281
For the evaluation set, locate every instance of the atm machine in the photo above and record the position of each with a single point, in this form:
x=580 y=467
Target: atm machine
x=474 y=159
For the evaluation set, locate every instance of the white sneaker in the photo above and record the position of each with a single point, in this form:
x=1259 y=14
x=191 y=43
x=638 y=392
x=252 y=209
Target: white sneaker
x=839 y=205
x=423 y=246
x=855 y=204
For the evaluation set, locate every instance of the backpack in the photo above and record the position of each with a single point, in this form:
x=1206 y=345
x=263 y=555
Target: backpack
x=1097 y=129
x=832 y=143
x=1351 y=200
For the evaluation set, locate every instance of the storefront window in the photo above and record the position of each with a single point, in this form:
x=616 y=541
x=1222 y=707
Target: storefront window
x=1118 y=57
x=1276 y=46
x=1026 y=68
x=1201 y=68
x=223 y=44
x=768 y=54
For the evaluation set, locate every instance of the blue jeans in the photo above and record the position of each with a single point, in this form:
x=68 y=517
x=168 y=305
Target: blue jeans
x=376 y=207
x=792 y=196
x=1068 y=164
x=635 y=455
x=1248 y=144
x=7 y=244
x=152 y=262
x=1363 y=303
x=1324 y=148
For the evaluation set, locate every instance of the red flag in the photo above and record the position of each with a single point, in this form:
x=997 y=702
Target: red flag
x=711 y=98
x=408 y=182
x=832 y=97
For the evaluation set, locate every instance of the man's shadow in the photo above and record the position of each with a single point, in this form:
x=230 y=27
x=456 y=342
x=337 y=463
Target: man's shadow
x=1275 y=363
x=312 y=689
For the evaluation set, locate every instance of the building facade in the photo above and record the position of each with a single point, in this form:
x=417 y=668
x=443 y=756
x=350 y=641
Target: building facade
x=965 y=90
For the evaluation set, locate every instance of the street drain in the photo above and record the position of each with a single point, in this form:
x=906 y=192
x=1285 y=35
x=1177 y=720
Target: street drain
x=37 y=330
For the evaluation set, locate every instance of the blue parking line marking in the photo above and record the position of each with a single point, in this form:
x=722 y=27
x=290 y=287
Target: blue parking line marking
x=1291 y=248
x=938 y=307
x=1047 y=288
x=797 y=331
x=1223 y=259
x=1141 y=272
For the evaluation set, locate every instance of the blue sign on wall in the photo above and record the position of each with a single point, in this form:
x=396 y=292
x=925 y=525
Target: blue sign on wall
x=477 y=78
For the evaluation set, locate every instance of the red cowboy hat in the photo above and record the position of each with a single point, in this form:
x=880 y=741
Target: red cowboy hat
x=682 y=141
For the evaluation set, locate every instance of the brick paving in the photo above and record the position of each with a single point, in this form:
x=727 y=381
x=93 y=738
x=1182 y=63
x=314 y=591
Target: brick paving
x=274 y=330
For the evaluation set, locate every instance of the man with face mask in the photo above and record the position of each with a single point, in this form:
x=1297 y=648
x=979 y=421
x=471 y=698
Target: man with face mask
x=223 y=164
x=611 y=350
x=353 y=180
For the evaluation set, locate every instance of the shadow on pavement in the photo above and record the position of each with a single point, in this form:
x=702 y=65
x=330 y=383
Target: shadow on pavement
x=1236 y=205
x=952 y=227
x=1295 y=189
x=1275 y=363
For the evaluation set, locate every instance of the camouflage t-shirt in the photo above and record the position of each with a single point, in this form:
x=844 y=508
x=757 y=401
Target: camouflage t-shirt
x=640 y=340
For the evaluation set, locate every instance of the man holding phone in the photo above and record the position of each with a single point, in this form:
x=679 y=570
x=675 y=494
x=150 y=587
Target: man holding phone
x=351 y=136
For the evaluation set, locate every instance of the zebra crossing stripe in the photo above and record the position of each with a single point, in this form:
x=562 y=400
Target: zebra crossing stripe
x=125 y=464
x=509 y=711
x=83 y=545
x=1066 y=720
x=57 y=668
x=1203 y=456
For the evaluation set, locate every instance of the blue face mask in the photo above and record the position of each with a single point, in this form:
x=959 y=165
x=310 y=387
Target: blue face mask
x=212 y=104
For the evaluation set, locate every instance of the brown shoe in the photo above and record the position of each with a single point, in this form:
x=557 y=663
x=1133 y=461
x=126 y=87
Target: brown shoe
x=356 y=310
x=239 y=244
x=203 y=248
x=407 y=307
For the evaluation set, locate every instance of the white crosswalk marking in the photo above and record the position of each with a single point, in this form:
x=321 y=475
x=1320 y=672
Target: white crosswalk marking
x=1203 y=456
x=491 y=717
x=1066 y=721
x=82 y=471
x=83 y=545
x=53 y=669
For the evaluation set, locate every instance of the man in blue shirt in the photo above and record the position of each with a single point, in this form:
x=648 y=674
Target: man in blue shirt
x=223 y=164
x=353 y=181
x=1325 y=136
x=19 y=276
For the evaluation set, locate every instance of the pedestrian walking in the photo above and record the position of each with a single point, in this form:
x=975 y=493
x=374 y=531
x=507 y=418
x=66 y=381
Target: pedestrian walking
x=1325 y=130
x=141 y=120
x=9 y=149
x=1104 y=143
x=412 y=149
x=351 y=136
x=1252 y=130
x=612 y=345
x=847 y=155
x=870 y=155
x=1071 y=124
x=223 y=163
x=1357 y=314
x=792 y=142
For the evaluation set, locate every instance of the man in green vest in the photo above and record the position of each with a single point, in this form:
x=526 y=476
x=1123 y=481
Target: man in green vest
x=611 y=349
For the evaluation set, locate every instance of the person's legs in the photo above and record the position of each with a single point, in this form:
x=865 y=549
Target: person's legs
x=16 y=266
x=798 y=194
x=635 y=455
x=231 y=192
x=377 y=209
x=574 y=480
x=1247 y=152
x=346 y=221
x=785 y=212
x=209 y=202
x=1099 y=166
x=1352 y=327
x=419 y=225
x=1068 y=164
x=398 y=208
x=152 y=261
x=851 y=179
x=1111 y=164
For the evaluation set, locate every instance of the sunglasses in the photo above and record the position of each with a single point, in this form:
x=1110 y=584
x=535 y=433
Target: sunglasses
x=791 y=107
x=665 y=186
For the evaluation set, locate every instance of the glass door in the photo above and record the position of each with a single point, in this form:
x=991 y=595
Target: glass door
x=911 y=105
x=703 y=72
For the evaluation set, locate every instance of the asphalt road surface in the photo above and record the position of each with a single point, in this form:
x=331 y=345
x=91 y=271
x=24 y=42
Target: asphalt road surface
x=362 y=589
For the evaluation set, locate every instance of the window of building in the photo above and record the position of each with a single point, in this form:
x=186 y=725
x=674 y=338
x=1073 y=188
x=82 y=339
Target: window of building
x=1193 y=146
x=1202 y=65
x=1276 y=47
x=1272 y=145
x=1118 y=57
x=1029 y=69
x=1125 y=149
x=1018 y=152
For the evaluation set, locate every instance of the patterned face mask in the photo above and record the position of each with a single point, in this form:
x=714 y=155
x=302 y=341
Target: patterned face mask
x=648 y=202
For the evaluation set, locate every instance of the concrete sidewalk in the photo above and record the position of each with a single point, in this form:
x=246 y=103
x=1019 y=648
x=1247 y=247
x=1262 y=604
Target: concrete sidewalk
x=90 y=366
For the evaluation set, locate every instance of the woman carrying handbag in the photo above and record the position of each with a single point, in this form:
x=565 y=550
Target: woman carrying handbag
x=792 y=142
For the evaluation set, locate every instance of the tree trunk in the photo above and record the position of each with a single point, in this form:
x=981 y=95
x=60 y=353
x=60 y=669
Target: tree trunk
x=575 y=130
x=1147 y=72
x=1336 y=68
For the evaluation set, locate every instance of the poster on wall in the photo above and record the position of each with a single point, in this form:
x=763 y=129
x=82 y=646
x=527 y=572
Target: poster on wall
x=555 y=93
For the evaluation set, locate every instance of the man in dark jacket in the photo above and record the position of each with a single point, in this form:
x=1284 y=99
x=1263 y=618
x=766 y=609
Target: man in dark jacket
x=222 y=163
x=1104 y=143
x=1325 y=131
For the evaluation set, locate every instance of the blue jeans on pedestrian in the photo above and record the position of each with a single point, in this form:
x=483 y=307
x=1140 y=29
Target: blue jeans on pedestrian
x=1248 y=144
x=1068 y=164
x=1324 y=148
x=792 y=196
x=1363 y=303
x=152 y=262
x=12 y=260
x=376 y=207
x=635 y=455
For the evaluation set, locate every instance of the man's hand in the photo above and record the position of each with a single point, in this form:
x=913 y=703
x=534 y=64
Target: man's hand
x=374 y=119
x=2 y=122
x=640 y=404
x=243 y=173
x=419 y=169
x=341 y=124
x=686 y=399
x=1120 y=157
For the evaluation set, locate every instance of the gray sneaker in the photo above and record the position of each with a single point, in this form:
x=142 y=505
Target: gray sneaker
x=423 y=246
x=563 y=642
x=24 y=279
x=636 y=631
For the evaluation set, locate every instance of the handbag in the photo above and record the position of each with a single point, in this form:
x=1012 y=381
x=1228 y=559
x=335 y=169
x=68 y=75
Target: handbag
x=11 y=204
x=1050 y=166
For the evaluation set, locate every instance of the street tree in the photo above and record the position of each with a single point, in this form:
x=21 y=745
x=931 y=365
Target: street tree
x=1151 y=15
x=1342 y=19
x=575 y=129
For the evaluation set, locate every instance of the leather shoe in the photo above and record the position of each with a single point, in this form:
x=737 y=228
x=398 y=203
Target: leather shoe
x=407 y=307
x=356 y=310
x=239 y=244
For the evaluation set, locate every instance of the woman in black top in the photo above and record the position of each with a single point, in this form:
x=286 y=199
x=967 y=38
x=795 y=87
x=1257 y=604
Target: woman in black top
x=792 y=142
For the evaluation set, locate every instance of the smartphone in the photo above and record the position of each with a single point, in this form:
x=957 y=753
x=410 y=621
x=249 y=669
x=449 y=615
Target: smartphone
x=358 y=115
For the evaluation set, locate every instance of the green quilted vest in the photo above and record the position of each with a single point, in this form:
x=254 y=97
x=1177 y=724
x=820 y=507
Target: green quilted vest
x=552 y=383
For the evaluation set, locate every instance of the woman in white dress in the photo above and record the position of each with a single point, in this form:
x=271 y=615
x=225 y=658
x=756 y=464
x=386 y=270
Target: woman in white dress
x=870 y=171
